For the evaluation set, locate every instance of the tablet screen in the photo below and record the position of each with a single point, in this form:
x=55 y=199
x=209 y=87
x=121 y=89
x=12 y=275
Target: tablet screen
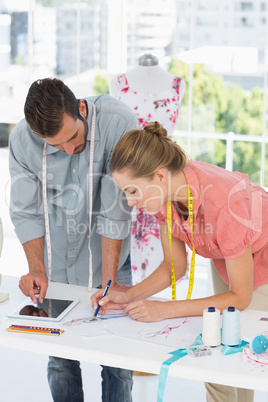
x=49 y=310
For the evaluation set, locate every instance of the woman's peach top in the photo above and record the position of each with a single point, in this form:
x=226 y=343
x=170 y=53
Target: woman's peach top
x=230 y=214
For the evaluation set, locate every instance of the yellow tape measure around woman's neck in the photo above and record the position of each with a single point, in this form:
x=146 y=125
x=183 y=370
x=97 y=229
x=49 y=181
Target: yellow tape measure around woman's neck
x=169 y=225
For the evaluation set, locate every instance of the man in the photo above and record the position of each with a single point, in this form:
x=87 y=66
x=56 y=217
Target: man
x=64 y=204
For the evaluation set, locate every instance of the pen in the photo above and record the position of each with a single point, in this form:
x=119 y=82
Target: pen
x=104 y=294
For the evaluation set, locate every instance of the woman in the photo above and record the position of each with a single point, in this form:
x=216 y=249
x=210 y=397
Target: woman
x=230 y=226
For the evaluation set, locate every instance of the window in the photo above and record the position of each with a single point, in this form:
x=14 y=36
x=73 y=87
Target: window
x=263 y=6
x=222 y=121
x=246 y=6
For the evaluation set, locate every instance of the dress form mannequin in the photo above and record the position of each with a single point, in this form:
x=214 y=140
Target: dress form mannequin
x=148 y=59
x=147 y=76
x=154 y=95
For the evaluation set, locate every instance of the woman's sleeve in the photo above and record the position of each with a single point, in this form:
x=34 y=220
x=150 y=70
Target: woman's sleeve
x=161 y=219
x=238 y=226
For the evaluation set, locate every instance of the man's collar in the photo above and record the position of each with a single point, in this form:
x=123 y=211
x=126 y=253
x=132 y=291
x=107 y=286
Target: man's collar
x=51 y=150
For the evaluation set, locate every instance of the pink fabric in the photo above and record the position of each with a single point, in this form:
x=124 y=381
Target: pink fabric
x=230 y=214
x=146 y=250
x=161 y=106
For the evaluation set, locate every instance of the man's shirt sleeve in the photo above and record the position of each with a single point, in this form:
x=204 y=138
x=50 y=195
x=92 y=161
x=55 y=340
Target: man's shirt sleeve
x=26 y=189
x=114 y=219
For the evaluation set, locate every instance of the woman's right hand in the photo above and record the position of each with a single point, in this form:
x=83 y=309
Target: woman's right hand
x=112 y=301
x=115 y=298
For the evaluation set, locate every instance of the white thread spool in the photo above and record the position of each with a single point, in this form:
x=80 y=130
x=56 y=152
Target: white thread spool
x=231 y=327
x=211 y=334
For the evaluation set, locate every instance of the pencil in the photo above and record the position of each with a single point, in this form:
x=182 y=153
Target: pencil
x=33 y=331
x=104 y=294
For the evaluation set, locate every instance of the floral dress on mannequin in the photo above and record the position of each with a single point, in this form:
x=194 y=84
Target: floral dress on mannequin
x=146 y=250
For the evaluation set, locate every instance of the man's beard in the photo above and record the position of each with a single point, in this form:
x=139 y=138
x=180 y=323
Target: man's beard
x=80 y=148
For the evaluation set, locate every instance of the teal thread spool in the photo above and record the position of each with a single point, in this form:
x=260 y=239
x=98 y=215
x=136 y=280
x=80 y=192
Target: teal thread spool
x=231 y=327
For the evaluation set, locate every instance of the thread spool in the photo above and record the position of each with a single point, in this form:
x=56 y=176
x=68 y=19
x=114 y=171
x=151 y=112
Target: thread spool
x=211 y=334
x=259 y=344
x=231 y=327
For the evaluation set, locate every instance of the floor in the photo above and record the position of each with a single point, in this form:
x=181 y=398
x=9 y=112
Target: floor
x=29 y=369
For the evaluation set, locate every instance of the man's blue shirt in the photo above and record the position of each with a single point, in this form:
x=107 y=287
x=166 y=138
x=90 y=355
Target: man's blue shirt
x=68 y=193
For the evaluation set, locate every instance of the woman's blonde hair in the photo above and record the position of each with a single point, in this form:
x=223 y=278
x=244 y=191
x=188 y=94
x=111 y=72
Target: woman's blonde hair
x=145 y=151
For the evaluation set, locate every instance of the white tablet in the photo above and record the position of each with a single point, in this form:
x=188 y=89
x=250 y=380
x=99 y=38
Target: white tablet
x=49 y=310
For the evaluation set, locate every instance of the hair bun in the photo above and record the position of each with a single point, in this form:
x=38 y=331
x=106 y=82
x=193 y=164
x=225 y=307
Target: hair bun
x=155 y=128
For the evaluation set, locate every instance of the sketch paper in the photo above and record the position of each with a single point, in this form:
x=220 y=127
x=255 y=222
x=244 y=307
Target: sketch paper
x=80 y=320
x=176 y=332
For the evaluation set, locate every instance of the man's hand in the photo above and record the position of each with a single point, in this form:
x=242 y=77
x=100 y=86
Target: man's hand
x=34 y=283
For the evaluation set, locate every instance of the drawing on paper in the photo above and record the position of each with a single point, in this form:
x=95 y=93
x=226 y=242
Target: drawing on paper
x=90 y=320
x=166 y=330
x=175 y=332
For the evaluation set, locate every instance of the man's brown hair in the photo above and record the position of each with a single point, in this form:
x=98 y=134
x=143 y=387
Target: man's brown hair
x=47 y=101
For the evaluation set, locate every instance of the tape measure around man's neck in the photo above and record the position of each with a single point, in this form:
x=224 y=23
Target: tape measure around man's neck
x=192 y=266
x=45 y=202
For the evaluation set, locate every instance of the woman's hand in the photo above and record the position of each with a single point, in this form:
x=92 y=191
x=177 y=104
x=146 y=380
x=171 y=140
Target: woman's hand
x=140 y=310
x=146 y=310
x=112 y=301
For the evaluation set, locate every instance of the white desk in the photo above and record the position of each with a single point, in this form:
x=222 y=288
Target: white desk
x=128 y=353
